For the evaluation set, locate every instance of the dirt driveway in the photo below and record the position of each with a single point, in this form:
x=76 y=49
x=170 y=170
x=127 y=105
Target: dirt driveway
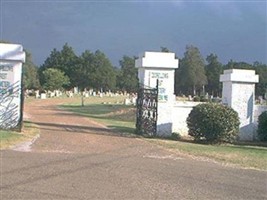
x=76 y=158
x=63 y=131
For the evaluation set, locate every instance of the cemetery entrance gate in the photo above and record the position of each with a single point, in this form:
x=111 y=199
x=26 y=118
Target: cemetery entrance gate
x=147 y=110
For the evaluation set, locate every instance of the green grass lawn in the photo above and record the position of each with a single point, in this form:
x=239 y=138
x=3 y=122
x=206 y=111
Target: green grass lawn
x=242 y=155
x=11 y=138
x=122 y=119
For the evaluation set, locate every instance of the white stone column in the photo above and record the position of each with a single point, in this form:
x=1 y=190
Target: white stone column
x=153 y=66
x=11 y=58
x=239 y=94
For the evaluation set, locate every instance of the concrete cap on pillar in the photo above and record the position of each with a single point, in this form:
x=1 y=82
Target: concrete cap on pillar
x=157 y=60
x=12 y=52
x=239 y=75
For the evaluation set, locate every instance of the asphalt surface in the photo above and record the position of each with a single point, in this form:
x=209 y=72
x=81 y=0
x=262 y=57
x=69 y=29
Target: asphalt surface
x=98 y=164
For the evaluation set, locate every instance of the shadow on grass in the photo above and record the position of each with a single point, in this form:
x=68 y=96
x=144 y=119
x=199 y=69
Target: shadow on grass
x=104 y=111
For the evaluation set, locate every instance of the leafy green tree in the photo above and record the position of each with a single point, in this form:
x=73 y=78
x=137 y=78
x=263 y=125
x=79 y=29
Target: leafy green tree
x=30 y=73
x=102 y=75
x=190 y=76
x=164 y=49
x=54 y=79
x=238 y=65
x=83 y=70
x=213 y=71
x=261 y=87
x=64 y=60
x=127 y=79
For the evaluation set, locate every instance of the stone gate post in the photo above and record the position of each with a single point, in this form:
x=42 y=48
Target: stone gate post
x=239 y=94
x=11 y=58
x=153 y=66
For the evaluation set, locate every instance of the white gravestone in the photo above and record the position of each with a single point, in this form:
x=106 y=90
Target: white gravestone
x=238 y=93
x=153 y=66
x=11 y=58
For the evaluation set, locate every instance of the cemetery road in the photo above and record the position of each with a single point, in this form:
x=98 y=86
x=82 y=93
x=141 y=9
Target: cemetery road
x=76 y=158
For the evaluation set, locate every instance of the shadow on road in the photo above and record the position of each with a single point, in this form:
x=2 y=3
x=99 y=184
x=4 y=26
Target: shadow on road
x=112 y=131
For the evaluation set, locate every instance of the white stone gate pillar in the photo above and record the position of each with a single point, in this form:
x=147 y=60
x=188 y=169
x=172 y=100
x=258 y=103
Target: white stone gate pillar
x=239 y=94
x=153 y=66
x=11 y=58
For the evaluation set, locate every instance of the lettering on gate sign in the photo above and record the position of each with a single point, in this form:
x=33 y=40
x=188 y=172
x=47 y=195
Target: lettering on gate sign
x=163 y=84
x=6 y=71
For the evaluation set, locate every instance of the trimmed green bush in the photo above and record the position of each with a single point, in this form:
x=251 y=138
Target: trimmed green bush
x=213 y=123
x=196 y=98
x=262 y=126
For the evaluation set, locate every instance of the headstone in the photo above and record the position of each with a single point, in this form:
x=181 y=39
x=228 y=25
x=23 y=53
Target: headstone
x=43 y=95
x=37 y=95
x=11 y=58
x=127 y=101
x=75 y=90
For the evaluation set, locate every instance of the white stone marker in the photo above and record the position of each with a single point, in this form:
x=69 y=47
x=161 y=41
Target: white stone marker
x=238 y=93
x=11 y=58
x=153 y=66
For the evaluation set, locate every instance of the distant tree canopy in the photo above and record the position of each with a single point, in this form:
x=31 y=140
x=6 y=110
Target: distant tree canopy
x=90 y=70
x=54 y=79
x=213 y=70
x=30 y=73
x=94 y=70
x=190 y=73
x=127 y=79
x=190 y=76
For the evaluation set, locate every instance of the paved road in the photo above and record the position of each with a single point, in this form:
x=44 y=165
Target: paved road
x=79 y=159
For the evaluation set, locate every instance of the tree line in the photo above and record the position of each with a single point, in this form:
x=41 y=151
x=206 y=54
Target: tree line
x=63 y=69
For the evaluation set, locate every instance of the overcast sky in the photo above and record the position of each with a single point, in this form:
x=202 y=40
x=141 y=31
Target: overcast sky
x=231 y=29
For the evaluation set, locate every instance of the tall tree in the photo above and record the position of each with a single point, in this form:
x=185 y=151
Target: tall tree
x=54 y=79
x=191 y=73
x=83 y=70
x=102 y=75
x=164 y=49
x=261 y=87
x=127 y=79
x=30 y=73
x=238 y=65
x=64 y=60
x=213 y=71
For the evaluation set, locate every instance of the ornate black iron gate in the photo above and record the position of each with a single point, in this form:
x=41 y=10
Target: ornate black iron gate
x=147 y=110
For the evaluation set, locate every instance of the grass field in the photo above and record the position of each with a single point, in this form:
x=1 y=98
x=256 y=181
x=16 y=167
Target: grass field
x=122 y=118
x=108 y=110
x=10 y=138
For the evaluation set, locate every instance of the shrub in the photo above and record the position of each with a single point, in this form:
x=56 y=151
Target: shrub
x=262 y=126
x=176 y=136
x=203 y=98
x=214 y=123
x=196 y=98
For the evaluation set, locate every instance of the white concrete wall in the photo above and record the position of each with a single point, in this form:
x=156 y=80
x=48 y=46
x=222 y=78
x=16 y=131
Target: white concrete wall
x=164 y=122
x=181 y=110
